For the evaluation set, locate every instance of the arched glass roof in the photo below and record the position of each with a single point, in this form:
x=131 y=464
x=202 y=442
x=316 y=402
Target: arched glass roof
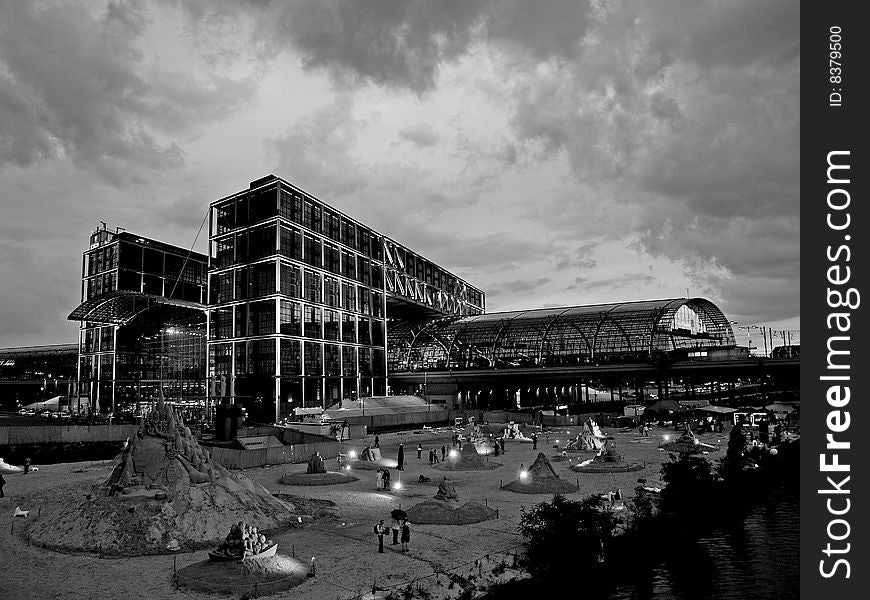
x=629 y=331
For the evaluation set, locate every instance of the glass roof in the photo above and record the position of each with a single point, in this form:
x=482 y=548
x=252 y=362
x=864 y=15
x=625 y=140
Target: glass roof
x=629 y=331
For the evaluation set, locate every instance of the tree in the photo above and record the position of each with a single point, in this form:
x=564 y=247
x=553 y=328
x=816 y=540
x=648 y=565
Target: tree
x=566 y=535
x=731 y=466
x=689 y=485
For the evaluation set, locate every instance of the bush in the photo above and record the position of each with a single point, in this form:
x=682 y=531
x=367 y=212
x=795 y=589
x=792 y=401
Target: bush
x=566 y=535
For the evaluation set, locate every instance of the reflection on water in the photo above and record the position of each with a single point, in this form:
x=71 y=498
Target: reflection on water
x=754 y=557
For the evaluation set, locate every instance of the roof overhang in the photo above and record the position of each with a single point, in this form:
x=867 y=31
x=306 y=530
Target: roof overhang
x=122 y=307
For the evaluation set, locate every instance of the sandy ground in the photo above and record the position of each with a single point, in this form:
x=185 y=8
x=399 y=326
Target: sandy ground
x=347 y=561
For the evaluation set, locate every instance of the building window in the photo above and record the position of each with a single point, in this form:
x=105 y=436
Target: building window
x=263 y=205
x=332 y=289
x=313 y=287
x=263 y=279
x=261 y=358
x=313 y=252
x=313 y=323
x=291 y=357
x=331 y=359
x=377 y=305
x=330 y=325
x=221 y=323
x=364 y=332
x=262 y=242
x=330 y=259
x=348 y=233
x=313 y=359
x=331 y=225
x=349 y=295
x=364 y=300
x=362 y=270
x=365 y=362
x=311 y=215
x=348 y=264
x=291 y=318
x=291 y=243
x=348 y=360
x=291 y=280
x=348 y=328
x=291 y=206
x=377 y=333
x=261 y=317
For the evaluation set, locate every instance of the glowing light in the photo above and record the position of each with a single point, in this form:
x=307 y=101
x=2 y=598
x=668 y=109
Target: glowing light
x=666 y=437
x=557 y=441
x=352 y=454
x=524 y=475
x=397 y=486
x=347 y=468
x=454 y=454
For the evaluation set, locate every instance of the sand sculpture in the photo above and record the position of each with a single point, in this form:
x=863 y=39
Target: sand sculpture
x=316 y=474
x=687 y=443
x=540 y=478
x=590 y=438
x=165 y=491
x=440 y=511
x=446 y=491
x=468 y=459
x=243 y=542
x=607 y=460
x=371 y=459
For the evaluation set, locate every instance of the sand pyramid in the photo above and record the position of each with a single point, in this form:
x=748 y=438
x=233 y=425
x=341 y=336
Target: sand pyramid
x=164 y=490
x=606 y=461
x=468 y=460
x=540 y=478
x=688 y=443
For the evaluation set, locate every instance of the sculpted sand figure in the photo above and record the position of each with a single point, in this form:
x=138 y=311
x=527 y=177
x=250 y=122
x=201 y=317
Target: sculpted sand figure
x=446 y=491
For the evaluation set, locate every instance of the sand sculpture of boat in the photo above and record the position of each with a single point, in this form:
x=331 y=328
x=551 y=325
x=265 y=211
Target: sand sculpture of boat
x=220 y=555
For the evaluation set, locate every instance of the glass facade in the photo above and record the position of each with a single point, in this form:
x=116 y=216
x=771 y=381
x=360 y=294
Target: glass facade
x=322 y=301
x=143 y=323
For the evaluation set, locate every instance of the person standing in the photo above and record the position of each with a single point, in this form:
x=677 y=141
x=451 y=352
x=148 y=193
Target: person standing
x=396 y=527
x=377 y=441
x=419 y=451
x=378 y=479
x=380 y=531
x=495 y=447
x=406 y=535
x=26 y=465
x=443 y=452
x=2 y=483
x=534 y=441
x=387 y=478
x=400 y=458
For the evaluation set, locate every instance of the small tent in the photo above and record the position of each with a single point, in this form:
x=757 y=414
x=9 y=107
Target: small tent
x=540 y=478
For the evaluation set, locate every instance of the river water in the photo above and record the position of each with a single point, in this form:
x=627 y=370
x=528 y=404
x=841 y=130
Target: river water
x=751 y=557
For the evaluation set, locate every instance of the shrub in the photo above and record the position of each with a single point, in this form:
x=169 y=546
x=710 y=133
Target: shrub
x=565 y=535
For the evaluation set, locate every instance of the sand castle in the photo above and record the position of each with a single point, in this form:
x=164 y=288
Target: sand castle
x=606 y=461
x=164 y=492
x=687 y=443
x=590 y=438
x=540 y=478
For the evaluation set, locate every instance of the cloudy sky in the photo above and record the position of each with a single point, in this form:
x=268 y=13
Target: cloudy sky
x=550 y=152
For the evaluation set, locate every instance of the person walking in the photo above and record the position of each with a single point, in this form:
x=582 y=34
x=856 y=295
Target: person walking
x=406 y=535
x=400 y=458
x=381 y=531
x=396 y=527
x=419 y=451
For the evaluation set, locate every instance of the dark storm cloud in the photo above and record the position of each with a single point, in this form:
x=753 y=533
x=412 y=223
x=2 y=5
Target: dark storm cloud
x=74 y=84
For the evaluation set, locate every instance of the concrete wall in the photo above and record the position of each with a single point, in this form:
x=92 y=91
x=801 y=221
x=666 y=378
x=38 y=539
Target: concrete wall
x=64 y=434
